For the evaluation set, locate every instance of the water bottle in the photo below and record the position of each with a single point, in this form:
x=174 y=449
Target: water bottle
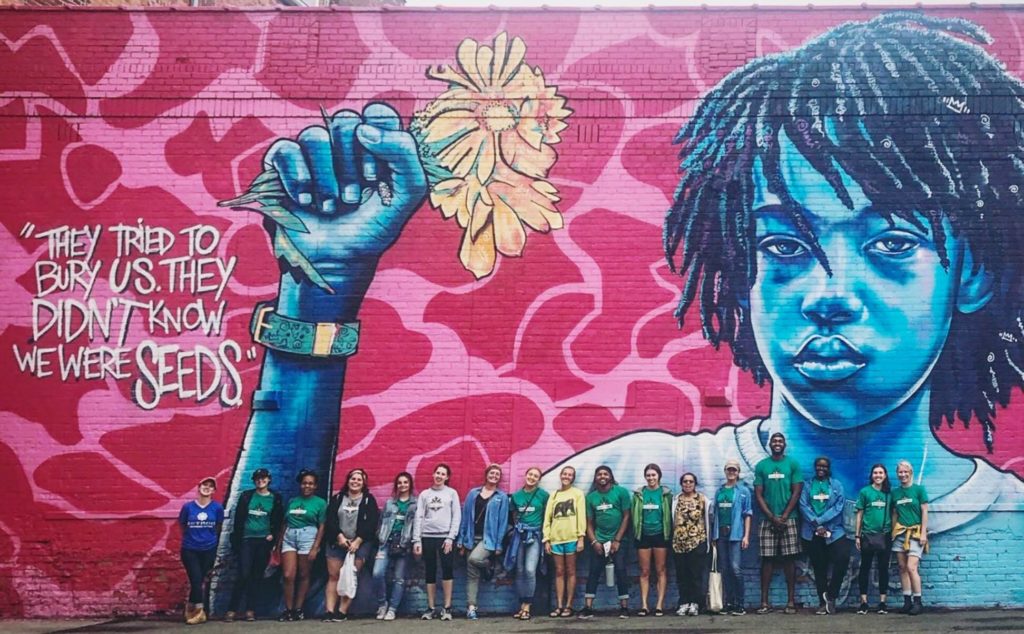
x=609 y=574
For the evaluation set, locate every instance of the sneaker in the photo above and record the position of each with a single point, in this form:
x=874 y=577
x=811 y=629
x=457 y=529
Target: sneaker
x=390 y=616
x=446 y=613
x=586 y=613
x=428 y=614
x=339 y=617
x=916 y=608
x=285 y=616
x=738 y=611
x=882 y=608
x=830 y=606
x=863 y=609
x=229 y=617
x=623 y=612
x=822 y=610
x=691 y=609
x=682 y=610
x=381 y=611
x=298 y=615
x=328 y=617
x=471 y=614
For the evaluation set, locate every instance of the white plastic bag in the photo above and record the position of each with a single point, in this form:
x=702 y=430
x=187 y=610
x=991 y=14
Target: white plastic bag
x=715 y=600
x=348 y=580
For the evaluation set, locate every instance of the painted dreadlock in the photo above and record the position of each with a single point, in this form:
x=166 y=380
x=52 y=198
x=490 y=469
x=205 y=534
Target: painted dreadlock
x=927 y=123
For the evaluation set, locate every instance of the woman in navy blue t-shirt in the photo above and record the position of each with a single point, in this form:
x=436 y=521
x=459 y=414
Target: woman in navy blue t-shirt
x=200 y=522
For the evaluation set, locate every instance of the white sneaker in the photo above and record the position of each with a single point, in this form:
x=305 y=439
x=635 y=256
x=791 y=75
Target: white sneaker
x=682 y=609
x=381 y=611
x=390 y=616
x=446 y=614
x=691 y=609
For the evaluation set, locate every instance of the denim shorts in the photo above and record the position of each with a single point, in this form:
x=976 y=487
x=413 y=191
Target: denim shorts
x=299 y=540
x=568 y=548
x=337 y=552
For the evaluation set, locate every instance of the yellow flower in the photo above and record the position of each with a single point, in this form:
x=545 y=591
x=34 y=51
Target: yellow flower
x=494 y=215
x=497 y=108
x=492 y=133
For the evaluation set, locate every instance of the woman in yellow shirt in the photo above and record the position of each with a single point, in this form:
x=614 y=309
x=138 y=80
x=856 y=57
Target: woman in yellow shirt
x=565 y=524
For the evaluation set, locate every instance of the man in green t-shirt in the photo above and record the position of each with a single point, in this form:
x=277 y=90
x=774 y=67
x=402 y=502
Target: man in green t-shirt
x=608 y=513
x=777 y=486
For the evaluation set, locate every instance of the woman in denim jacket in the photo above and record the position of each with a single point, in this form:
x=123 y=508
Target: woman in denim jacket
x=484 y=522
x=821 y=505
x=395 y=539
x=732 y=510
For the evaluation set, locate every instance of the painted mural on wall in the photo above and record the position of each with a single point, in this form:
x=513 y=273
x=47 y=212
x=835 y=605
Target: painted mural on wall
x=841 y=214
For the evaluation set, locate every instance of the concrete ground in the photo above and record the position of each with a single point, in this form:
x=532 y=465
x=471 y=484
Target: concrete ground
x=931 y=622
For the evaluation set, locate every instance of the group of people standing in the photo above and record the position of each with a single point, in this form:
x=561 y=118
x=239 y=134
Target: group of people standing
x=519 y=530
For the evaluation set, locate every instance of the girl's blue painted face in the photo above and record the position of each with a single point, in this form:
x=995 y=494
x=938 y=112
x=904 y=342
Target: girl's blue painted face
x=848 y=348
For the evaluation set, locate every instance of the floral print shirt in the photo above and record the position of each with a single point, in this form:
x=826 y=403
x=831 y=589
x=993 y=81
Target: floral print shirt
x=689 y=529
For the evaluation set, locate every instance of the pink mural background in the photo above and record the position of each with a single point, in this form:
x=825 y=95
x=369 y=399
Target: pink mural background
x=107 y=117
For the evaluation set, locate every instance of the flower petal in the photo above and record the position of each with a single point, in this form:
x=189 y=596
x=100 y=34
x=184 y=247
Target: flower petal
x=512 y=61
x=478 y=255
x=481 y=206
x=451 y=76
x=466 y=56
x=449 y=126
x=485 y=158
x=459 y=157
x=509 y=235
x=484 y=59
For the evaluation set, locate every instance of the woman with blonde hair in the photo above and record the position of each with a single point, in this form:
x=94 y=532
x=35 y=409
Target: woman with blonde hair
x=909 y=534
x=565 y=524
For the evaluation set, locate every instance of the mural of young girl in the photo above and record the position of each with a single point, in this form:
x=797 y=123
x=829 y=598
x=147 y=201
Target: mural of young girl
x=852 y=245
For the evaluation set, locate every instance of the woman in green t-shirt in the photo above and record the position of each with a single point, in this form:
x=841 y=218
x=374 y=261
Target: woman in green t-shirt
x=301 y=543
x=873 y=525
x=652 y=526
x=909 y=534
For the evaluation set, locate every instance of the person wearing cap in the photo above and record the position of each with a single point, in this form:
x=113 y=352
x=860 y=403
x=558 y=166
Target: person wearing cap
x=733 y=510
x=257 y=518
x=200 y=522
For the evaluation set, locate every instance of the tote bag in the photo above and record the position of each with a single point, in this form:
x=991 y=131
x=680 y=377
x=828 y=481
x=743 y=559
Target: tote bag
x=715 y=603
x=348 y=580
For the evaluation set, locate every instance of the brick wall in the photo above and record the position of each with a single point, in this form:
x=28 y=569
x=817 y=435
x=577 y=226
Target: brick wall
x=130 y=371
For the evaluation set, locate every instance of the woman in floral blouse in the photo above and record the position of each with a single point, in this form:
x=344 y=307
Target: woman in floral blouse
x=691 y=528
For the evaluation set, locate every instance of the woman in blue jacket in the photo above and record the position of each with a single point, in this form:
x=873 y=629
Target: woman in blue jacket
x=484 y=521
x=821 y=505
x=733 y=510
x=395 y=538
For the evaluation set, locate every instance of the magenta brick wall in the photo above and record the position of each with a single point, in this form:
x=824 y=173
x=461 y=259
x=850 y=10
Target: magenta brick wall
x=112 y=117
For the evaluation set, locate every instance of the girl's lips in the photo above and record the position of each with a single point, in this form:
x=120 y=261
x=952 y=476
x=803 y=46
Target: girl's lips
x=828 y=359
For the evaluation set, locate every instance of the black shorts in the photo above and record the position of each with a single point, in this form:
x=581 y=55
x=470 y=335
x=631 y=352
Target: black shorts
x=652 y=541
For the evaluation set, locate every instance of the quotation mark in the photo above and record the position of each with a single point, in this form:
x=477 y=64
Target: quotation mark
x=27 y=230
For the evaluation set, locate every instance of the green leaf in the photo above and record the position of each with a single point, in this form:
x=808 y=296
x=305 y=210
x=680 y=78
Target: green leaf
x=285 y=248
x=283 y=217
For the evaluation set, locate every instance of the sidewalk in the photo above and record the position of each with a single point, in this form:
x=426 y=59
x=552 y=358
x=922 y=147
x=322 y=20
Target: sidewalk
x=931 y=622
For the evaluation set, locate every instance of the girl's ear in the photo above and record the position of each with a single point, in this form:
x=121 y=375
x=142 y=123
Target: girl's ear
x=976 y=284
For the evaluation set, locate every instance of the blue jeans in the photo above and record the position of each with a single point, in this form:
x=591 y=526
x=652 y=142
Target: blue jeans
x=729 y=565
x=526 y=570
x=380 y=577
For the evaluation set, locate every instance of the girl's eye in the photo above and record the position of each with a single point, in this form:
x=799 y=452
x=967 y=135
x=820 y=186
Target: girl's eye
x=894 y=244
x=783 y=246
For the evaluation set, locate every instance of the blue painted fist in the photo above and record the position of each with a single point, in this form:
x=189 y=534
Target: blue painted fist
x=354 y=182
